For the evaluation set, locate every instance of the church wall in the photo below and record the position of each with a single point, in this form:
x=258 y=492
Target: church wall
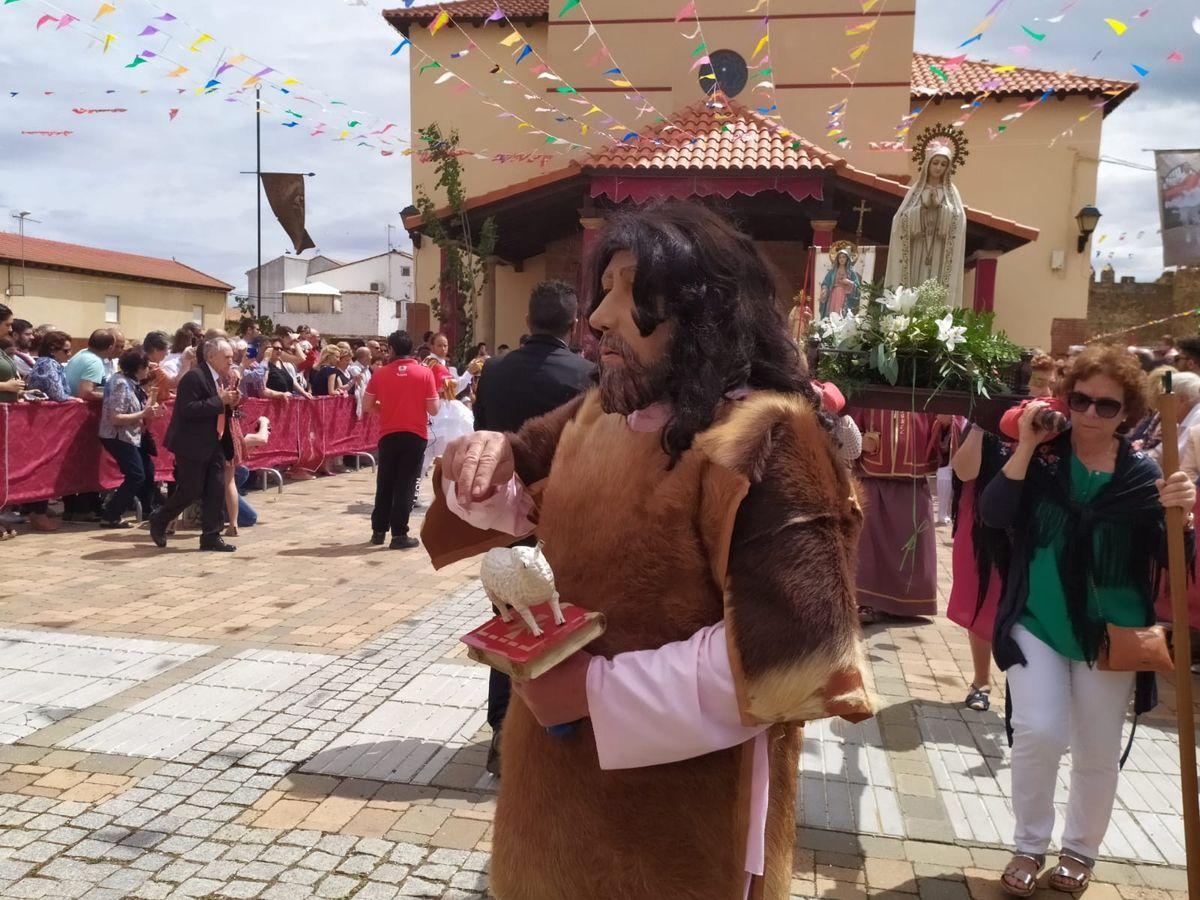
x=1018 y=176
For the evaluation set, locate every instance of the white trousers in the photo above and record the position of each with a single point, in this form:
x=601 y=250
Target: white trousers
x=945 y=493
x=1060 y=703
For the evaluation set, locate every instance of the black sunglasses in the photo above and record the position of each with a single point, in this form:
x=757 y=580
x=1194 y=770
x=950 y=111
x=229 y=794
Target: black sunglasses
x=1106 y=407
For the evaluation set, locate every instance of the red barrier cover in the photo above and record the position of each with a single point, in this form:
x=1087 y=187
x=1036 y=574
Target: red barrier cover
x=53 y=449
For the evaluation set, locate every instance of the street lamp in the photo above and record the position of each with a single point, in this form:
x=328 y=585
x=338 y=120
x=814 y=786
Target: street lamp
x=1087 y=219
x=22 y=217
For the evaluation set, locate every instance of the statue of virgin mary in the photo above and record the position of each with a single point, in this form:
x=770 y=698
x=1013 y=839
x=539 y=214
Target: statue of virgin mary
x=929 y=232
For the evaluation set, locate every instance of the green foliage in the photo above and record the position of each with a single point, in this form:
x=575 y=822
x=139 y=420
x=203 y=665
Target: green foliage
x=247 y=308
x=911 y=337
x=464 y=256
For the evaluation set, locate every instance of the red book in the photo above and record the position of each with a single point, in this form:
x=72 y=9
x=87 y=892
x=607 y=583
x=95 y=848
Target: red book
x=511 y=648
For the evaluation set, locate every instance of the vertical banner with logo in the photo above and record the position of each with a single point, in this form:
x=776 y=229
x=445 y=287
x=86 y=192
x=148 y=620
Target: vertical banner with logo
x=1178 y=173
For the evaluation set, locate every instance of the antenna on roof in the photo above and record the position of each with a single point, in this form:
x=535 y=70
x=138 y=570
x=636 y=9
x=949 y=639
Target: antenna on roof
x=21 y=218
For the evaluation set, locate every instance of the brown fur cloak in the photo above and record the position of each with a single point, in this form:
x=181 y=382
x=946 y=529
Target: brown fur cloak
x=756 y=524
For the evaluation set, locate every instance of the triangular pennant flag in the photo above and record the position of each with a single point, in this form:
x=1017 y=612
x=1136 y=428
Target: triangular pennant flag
x=700 y=48
x=512 y=39
x=66 y=20
x=496 y=16
x=147 y=31
x=859 y=50
x=429 y=65
x=177 y=72
x=108 y=39
x=137 y=61
x=105 y=9
x=437 y=24
x=404 y=43
x=570 y=4
x=861 y=28
x=1117 y=25
x=702 y=61
x=591 y=33
x=1175 y=56
x=172 y=114
x=444 y=77
x=165 y=17
x=689 y=9
x=43 y=20
x=1033 y=34
x=195 y=48
x=762 y=42
x=1141 y=70
x=525 y=52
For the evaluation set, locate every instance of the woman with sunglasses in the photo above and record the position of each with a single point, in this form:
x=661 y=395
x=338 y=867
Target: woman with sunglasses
x=1085 y=513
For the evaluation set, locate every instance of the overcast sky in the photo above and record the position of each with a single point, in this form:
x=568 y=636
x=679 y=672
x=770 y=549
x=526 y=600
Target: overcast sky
x=139 y=182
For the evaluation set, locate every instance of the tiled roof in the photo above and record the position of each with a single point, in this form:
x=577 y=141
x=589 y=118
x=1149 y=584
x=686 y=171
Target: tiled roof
x=58 y=255
x=476 y=11
x=708 y=138
x=969 y=78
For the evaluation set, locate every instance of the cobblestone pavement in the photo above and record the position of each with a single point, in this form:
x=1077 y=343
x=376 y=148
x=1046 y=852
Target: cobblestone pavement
x=299 y=720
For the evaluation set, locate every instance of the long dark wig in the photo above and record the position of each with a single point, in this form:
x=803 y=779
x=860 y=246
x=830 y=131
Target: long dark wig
x=696 y=269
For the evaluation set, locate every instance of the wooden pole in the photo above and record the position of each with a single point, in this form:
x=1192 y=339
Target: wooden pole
x=1182 y=640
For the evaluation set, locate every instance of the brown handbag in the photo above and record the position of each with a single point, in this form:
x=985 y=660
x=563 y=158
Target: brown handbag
x=1135 y=650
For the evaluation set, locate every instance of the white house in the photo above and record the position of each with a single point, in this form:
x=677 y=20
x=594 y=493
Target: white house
x=365 y=298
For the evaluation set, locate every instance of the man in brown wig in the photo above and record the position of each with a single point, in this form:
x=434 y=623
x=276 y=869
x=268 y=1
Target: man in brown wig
x=696 y=499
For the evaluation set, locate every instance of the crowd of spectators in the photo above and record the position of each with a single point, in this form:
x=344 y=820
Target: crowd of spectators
x=129 y=382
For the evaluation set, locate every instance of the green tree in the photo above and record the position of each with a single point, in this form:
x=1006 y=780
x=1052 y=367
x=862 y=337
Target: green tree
x=464 y=255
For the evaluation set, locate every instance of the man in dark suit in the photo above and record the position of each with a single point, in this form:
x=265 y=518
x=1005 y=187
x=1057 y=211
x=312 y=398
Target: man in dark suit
x=539 y=376
x=199 y=436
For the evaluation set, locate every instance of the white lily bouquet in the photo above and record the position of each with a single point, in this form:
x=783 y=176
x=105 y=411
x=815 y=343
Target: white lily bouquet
x=910 y=337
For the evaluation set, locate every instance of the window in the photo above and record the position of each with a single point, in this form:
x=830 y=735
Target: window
x=406 y=271
x=112 y=309
x=198 y=314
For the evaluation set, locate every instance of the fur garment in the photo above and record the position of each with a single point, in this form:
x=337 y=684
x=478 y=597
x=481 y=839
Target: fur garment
x=756 y=525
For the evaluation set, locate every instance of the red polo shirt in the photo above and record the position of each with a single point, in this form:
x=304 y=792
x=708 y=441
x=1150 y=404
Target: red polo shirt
x=403 y=387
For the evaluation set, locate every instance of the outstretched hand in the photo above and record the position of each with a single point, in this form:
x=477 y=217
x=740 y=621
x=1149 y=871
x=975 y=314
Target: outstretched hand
x=478 y=464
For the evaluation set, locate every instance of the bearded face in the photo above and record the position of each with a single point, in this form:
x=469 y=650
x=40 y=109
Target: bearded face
x=633 y=366
x=628 y=384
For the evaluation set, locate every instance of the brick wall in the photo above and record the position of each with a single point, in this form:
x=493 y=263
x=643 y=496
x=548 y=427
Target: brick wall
x=1120 y=303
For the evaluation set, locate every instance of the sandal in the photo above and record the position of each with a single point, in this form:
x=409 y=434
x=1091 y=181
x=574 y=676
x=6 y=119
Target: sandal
x=979 y=699
x=1073 y=874
x=1020 y=877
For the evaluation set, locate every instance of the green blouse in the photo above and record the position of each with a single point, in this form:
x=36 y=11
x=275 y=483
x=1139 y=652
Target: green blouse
x=1046 y=615
x=8 y=371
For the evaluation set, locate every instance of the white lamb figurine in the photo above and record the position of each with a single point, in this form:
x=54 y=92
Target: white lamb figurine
x=518 y=578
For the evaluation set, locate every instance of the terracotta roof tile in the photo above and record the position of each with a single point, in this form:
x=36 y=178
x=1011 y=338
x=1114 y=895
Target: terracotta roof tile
x=704 y=137
x=969 y=77
x=467 y=11
x=108 y=262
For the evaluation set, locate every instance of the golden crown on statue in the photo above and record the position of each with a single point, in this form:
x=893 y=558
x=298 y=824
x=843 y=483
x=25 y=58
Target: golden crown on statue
x=940 y=135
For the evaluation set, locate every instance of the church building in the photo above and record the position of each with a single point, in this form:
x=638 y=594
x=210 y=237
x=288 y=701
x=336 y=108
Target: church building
x=562 y=116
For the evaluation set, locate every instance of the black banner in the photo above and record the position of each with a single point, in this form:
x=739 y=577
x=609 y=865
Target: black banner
x=285 y=193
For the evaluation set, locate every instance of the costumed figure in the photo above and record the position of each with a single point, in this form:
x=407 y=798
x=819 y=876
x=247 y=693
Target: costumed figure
x=980 y=555
x=897 y=555
x=929 y=231
x=842 y=286
x=696 y=500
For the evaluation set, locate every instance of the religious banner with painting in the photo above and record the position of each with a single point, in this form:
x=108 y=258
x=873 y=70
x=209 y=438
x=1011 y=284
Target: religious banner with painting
x=1179 y=205
x=841 y=278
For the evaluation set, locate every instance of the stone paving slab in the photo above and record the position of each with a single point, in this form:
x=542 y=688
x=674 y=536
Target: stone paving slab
x=272 y=797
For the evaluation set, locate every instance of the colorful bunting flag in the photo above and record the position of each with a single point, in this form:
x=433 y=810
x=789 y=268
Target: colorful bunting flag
x=512 y=39
x=137 y=61
x=570 y=4
x=1033 y=34
x=437 y=24
x=861 y=28
x=43 y=20
x=1141 y=70
x=1175 y=56
x=175 y=73
x=204 y=38
x=105 y=9
x=165 y=17
x=172 y=114
x=1117 y=25
x=404 y=43
x=147 y=31
x=66 y=20
x=688 y=9
x=525 y=52
x=108 y=39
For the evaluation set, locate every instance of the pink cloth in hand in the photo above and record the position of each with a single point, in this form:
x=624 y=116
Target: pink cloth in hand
x=650 y=707
x=507 y=510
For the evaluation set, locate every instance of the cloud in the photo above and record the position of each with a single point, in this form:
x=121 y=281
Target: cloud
x=1164 y=113
x=139 y=182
